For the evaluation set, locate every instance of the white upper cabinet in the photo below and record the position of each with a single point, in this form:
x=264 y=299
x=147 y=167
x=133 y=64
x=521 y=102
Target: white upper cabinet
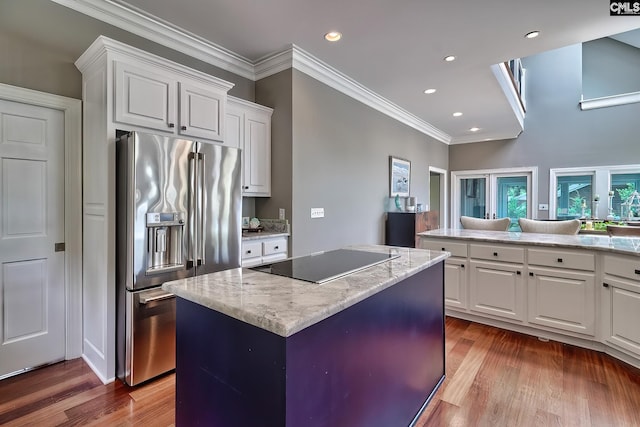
x=152 y=97
x=250 y=127
x=201 y=112
x=144 y=98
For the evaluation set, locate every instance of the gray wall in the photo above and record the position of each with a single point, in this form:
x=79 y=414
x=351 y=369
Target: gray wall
x=40 y=41
x=609 y=67
x=276 y=92
x=556 y=132
x=340 y=161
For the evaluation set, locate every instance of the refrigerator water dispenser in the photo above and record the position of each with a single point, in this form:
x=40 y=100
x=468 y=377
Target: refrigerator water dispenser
x=164 y=238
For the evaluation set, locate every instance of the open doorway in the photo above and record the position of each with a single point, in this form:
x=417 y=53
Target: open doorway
x=438 y=193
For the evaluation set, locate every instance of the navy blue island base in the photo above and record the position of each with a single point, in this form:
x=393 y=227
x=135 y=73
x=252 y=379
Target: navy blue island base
x=376 y=363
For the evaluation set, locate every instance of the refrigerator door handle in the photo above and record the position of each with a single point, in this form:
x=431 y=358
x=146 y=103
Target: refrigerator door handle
x=160 y=297
x=200 y=210
x=192 y=217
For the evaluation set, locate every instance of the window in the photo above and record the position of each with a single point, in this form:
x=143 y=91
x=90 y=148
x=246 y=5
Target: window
x=623 y=185
x=496 y=193
x=578 y=187
x=573 y=196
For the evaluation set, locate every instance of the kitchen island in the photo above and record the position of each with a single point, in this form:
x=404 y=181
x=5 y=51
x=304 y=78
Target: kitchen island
x=577 y=289
x=265 y=350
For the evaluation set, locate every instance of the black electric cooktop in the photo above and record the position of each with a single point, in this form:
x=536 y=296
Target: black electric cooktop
x=325 y=266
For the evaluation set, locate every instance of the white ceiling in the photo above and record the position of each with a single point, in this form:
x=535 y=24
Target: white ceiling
x=396 y=48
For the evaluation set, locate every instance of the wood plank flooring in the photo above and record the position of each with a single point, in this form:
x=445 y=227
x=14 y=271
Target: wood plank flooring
x=494 y=378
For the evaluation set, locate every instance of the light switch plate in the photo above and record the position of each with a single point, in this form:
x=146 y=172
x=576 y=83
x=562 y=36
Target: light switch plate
x=281 y=213
x=317 y=212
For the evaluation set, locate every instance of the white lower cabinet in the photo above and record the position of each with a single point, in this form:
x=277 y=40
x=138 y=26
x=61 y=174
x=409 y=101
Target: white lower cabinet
x=455 y=283
x=549 y=290
x=621 y=303
x=561 y=290
x=496 y=283
x=455 y=271
x=264 y=250
x=497 y=289
x=562 y=299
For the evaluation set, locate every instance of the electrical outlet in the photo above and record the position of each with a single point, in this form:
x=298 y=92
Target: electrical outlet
x=281 y=213
x=543 y=207
x=317 y=212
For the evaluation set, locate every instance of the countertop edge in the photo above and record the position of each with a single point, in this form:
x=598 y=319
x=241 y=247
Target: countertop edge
x=263 y=235
x=618 y=245
x=194 y=290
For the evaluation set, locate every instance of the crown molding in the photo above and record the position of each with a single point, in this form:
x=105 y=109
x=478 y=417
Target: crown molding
x=152 y=28
x=610 y=101
x=298 y=58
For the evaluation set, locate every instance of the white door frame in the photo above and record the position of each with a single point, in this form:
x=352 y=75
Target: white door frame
x=72 y=110
x=443 y=194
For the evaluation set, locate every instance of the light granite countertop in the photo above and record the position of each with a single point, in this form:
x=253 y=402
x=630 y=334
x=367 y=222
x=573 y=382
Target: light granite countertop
x=621 y=245
x=250 y=235
x=285 y=306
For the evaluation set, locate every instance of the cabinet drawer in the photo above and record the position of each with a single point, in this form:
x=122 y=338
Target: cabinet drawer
x=251 y=250
x=497 y=253
x=622 y=266
x=564 y=259
x=456 y=248
x=275 y=246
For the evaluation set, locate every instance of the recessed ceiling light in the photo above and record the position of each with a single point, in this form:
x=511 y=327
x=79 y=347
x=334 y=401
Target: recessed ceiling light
x=429 y=91
x=449 y=58
x=457 y=114
x=532 y=34
x=474 y=129
x=333 y=36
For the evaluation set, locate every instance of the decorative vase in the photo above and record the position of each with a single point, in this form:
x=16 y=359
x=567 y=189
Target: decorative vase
x=594 y=209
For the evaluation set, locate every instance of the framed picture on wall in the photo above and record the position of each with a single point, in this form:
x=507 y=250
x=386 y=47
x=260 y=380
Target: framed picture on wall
x=399 y=177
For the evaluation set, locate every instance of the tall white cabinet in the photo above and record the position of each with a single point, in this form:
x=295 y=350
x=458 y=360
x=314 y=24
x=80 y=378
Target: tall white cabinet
x=128 y=89
x=249 y=127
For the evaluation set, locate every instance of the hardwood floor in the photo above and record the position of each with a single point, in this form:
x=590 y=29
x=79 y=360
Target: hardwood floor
x=494 y=378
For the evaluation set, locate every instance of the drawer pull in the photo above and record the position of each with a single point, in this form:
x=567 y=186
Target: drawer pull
x=637 y=271
x=559 y=259
x=443 y=250
x=461 y=265
x=606 y=285
x=275 y=248
x=495 y=254
x=518 y=273
x=172 y=125
x=249 y=251
x=531 y=274
x=183 y=128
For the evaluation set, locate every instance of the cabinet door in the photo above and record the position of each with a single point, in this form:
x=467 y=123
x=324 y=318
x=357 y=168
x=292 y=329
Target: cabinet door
x=234 y=127
x=201 y=112
x=455 y=283
x=257 y=154
x=621 y=313
x=562 y=299
x=144 y=97
x=497 y=289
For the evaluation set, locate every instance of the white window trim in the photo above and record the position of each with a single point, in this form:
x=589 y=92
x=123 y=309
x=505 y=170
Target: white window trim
x=601 y=183
x=457 y=175
x=444 y=191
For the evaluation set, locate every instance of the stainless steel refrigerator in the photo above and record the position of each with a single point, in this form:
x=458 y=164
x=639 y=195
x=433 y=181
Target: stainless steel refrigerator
x=179 y=207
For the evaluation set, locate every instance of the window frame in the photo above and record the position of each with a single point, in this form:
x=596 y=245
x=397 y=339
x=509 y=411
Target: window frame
x=600 y=186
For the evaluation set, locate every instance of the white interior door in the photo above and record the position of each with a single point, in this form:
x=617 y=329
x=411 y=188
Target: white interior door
x=32 y=290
